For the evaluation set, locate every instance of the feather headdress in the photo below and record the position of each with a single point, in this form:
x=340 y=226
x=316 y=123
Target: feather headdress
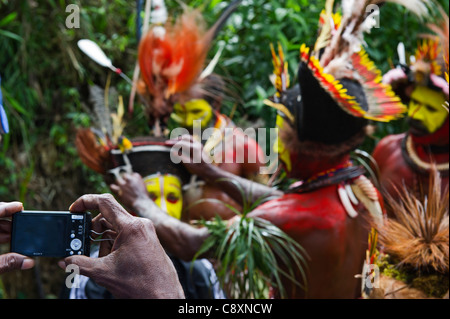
x=356 y=21
x=94 y=144
x=281 y=80
x=172 y=58
x=339 y=87
x=426 y=57
x=441 y=29
x=338 y=54
x=93 y=153
x=144 y=155
x=429 y=65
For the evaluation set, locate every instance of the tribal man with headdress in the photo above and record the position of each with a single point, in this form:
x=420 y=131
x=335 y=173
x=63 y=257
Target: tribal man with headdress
x=408 y=158
x=171 y=59
x=410 y=248
x=176 y=88
x=163 y=185
x=325 y=211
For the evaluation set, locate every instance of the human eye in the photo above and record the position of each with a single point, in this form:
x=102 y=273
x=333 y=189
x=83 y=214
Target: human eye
x=172 y=198
x=414 y=101
x=196 y=111
x=430 y=109
x=153 y=196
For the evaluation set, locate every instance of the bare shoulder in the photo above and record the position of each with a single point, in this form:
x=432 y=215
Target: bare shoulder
x=388 y=145
x=390 y=141
x=303 y=212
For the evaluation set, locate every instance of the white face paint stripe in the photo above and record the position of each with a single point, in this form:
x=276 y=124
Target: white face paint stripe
x=161 y=189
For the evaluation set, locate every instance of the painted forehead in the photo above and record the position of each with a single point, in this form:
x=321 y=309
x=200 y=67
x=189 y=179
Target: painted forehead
x=428 y=96
x=192 y=104
x=173 y=179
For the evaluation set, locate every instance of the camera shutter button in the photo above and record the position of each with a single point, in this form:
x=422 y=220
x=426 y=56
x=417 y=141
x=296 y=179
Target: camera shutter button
x=75 y=244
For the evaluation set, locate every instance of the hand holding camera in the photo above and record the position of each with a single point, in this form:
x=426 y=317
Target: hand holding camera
x=11 y=261
x=134 y=253
x=129 y=248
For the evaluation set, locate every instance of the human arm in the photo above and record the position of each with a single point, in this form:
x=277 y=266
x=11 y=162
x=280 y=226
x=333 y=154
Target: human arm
x=190 y=153
x=179 y=238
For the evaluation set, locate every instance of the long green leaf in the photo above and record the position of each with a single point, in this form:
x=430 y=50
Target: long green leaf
x=11 y=35
x=8 y=19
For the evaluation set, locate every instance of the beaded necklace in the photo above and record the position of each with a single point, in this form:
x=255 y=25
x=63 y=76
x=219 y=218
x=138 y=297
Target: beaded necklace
x=413 y=159
x=329 y=177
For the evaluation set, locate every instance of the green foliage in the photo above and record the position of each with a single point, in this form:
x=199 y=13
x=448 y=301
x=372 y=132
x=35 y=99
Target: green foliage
x=253 y=254
x=45 y=79
x=247 y=60
x=389 y=269
x=434 y=284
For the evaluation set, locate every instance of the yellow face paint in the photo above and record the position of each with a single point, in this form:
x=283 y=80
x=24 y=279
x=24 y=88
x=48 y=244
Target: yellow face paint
x=194 y=110
x=280 y=148
x=426 y=106
x=166 y=192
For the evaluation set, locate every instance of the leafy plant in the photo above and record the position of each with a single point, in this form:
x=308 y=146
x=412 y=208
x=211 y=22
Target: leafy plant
x=253 y=254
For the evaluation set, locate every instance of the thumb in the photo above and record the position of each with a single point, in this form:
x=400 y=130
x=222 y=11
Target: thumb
x=89 y=267
x=13 y=261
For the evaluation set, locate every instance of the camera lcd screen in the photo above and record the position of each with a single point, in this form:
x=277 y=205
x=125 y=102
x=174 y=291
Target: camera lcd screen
x=41 y=235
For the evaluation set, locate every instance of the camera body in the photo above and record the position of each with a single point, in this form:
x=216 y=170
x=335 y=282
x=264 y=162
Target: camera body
x=51 y=234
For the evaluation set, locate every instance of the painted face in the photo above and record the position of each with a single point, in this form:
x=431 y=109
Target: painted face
x=194 y=110
x=280 y=148
x=166 y=192
x=426 y=107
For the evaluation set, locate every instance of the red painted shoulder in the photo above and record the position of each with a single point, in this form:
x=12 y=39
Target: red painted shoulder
x=388 y=145
x=321 y=209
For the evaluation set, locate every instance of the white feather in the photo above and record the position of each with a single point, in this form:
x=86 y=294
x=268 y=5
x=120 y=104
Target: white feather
x=347 y=7
x=350 y=38
x=421 y=8
x=401 y=53
x=212 y=65
x=92 y=50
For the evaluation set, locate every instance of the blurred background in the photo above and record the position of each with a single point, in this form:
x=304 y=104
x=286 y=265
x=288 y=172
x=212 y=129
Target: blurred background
x=46 y=80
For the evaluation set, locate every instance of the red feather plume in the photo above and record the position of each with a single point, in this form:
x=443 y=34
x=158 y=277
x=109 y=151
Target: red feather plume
x=172 y=60
x=92 y=154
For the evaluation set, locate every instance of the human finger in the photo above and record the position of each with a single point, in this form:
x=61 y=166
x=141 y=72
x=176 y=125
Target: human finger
x=107 y=205
x=107 y=243
x=13 y=261
x=89 y=267
x=116 y=189
x=8 y=209
x=131 y=177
